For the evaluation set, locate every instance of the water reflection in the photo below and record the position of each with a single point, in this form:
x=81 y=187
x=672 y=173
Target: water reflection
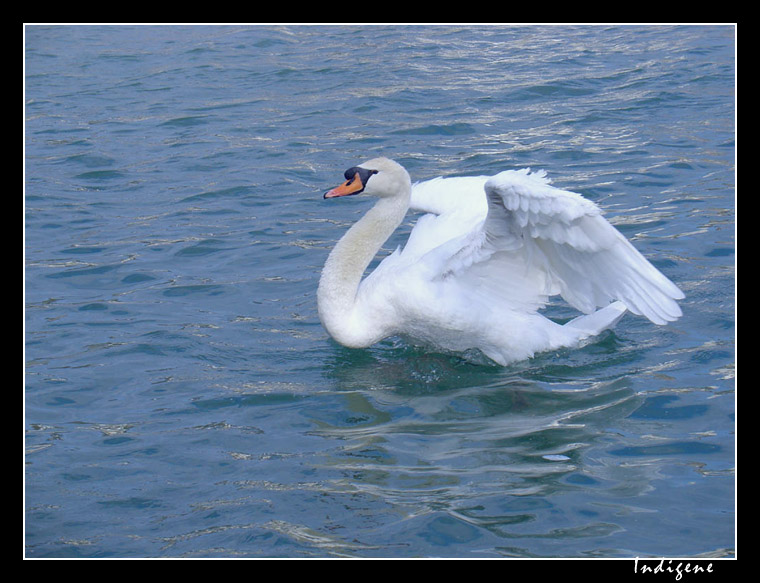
x=435 y=431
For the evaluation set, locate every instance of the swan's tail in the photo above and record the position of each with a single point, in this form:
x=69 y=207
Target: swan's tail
x=593 y=324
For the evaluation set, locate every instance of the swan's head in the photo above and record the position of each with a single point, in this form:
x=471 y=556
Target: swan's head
x=380 y=177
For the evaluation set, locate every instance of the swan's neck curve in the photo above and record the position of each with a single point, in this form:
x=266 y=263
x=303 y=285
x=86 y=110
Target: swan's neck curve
x=345 y=266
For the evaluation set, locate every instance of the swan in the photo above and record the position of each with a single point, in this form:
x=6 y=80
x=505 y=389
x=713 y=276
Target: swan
x=480 y=263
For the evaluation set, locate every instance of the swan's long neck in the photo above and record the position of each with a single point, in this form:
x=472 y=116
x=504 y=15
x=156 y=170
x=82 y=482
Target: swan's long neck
x=343 y=271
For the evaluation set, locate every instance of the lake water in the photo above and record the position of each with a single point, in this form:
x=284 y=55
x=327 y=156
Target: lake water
x=181 y=396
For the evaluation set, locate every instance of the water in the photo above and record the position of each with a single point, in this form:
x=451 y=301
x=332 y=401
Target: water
x=182 y=399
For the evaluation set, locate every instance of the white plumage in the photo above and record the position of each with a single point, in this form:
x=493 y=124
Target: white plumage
x=481 y=263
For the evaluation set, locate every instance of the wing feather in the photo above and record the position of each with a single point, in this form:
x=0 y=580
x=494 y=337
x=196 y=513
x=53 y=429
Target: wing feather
x=592 y=262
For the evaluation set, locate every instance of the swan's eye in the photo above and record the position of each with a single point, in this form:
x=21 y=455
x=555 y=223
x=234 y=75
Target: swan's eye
x=363 y=174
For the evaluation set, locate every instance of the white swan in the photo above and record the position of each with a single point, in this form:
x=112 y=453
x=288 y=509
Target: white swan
x=481 y=263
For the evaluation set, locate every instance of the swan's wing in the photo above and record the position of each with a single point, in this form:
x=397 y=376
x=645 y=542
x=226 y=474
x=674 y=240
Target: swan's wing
x=444 y=196
x=453 y=207
x=449 y=245
x=588 y=261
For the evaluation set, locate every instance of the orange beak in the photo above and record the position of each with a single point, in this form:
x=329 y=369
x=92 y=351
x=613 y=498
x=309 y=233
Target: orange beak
x=352 y=186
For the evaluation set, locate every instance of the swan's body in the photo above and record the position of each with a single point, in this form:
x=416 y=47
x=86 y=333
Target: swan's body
x=481 y=263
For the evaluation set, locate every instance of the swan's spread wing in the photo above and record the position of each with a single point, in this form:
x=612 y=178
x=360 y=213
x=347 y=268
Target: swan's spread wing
x=588 y=261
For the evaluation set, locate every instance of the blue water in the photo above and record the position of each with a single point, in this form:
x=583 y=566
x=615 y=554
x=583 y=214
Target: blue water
x=182 y=399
